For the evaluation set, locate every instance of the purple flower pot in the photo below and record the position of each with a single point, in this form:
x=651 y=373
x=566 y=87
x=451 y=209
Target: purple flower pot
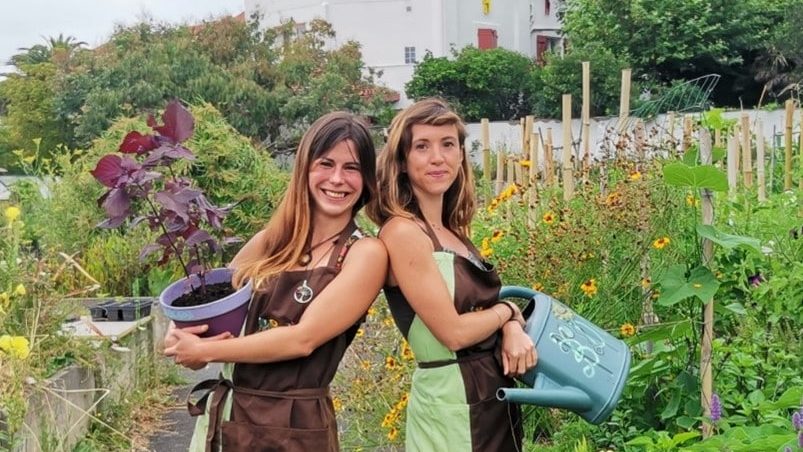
x=226 y=314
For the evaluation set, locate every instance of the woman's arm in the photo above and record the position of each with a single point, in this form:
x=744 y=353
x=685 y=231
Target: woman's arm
x=332 y=311
x=416 y=272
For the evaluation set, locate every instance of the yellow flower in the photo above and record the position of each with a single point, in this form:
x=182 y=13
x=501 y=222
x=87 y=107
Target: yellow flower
x=493 y=205
x=365 y=364
x=485 y=249
x=691 y=201
x=497 y=236
x=337 y=404
x=538 y=287
x=16 y=346
x=646 y=282
x=390 y=363
x=12 y=213
x=387 y=321
x=20 y=290
x=549 y=218
x=525 y=163
x=627 y=329
x=371 y=311
x=660 y=243
x=360 y=332
x=635 y=175
x=393 y=433
x=4 y=299
x=589 y=287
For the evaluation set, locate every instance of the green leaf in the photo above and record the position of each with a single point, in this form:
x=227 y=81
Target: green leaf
x=682 y=437
x=790 y=398
x=685 y=422
x=672 y=407
x=727 y=241
x=701 y=283
x=703 y=176
x=737 y=308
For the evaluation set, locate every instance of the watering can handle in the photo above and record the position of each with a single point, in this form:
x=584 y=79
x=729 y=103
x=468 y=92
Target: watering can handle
x=516 y=291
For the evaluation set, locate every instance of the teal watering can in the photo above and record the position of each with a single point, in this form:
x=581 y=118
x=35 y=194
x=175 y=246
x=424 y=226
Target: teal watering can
x=580 y=367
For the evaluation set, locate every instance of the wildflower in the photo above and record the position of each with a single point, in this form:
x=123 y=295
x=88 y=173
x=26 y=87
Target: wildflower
x=525 y=163
x=485 y=249
x=16 y=346
x=360 y=332
x=404 y=398
x=4 y=299
x=646 y=282
x=549 y=218
x=589 y=287
x=12 y=213
x=635 y=176
x=407 y=352
x=390 y=363
x=538 y=287
x=613 y=198
x=691 y=200
x=716 y=408
x=493 y=205
x=371 y=311
x=627 y=329
x=660 y=243
x=389 y=419
x=755 y=280
x=387 y=321
x=797 y=421
x=365 y=364
x=20 y=290
x=497 y=236
x=337 y=404
x=393 y=433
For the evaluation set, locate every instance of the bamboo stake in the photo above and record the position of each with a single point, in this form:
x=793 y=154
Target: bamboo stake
x=549 y=162
x=639 y=139
x=670 y=119
x=733 y=164
x=524 y=137
x=624 y=101
x=747 y=157
x=568 y=176
x=585 y=132
x=518 y=170
x=762 y=186
x=535 y=144
x=528 y=131
x=707 y=388
x=485 y=136
x=500 y=171
x=737 y=132
x=512 y=163
x=687 y=129
x=787 y=142
x=718 y=138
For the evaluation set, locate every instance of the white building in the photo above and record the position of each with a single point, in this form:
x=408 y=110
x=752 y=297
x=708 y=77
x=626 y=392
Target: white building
x=394 y=34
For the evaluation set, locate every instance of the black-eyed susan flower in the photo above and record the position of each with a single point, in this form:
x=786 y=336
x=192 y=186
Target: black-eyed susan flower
x=337 y=404
x=548 y=218
x=497 y=236
x=485 y=248
x=627 y=330
x=525 y=163
x=660 y=243
x=393 y=434
x=538 y=287
x=646 y=283
x=360 y=332
x=390 y=363
x=589 y=287
x=635 y=176
x=691 y=200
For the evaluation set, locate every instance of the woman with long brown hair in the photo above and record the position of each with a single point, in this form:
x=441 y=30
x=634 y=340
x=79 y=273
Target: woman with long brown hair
x=315 y=276
x=443 y=296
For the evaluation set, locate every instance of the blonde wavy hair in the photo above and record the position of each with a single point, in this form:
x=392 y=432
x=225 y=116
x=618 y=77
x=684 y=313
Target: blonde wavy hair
x=396 y=196
x=285 y=237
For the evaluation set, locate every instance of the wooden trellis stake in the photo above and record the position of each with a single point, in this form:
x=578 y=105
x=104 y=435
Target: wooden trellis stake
x=585 y=132
x=718 y=138
x=549 y=162
x=568 y=174
x=640 y=140
x=670 y=119
x=624 y=101
x=485 y=137
x=787 y=142
x=733 y=164
x=512 y=163
x=687 y=129
x=800 y=153
x=500 y=171
x=518 y=170
x=747 y=156
x=737 y=133
x=527 y=134
x=762 y=186
x=707 y=196
x=532 y=201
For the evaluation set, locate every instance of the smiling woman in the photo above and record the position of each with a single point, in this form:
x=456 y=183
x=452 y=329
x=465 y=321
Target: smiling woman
x=305 y=266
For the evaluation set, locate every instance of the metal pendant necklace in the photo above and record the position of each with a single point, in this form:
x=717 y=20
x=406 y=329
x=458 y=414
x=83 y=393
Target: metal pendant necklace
x=304 y=293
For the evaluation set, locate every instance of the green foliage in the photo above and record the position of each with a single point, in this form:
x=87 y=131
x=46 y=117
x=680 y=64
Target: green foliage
x=698 y=177
x=563 y=75
x=479 y=83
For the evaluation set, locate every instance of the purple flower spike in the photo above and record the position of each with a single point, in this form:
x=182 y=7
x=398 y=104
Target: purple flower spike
x=800 y=439
x=755 y=280
x=797 y=421
x=787 y=449
x=716 y=408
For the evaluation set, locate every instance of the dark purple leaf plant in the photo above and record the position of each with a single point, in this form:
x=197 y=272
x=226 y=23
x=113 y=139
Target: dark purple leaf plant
x=143 y=185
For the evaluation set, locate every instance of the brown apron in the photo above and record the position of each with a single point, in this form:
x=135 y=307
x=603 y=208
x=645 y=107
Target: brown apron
x=281 y=406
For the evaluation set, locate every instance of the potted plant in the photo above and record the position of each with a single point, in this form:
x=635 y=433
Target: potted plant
x=144 y=185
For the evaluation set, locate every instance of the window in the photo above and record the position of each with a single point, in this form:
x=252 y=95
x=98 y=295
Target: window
x=409 y=55
x=486 y=38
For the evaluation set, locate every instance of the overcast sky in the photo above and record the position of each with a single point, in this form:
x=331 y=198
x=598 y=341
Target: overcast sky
x=25 y=23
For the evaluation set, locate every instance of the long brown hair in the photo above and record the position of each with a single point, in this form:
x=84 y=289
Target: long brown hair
x=396 y=197
x=286 y=234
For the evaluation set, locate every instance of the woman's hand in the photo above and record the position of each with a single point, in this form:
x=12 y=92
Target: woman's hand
x=518 y=352
x=181 y=343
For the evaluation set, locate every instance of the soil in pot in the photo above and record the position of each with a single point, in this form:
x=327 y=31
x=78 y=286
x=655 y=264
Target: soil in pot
x=214 y=292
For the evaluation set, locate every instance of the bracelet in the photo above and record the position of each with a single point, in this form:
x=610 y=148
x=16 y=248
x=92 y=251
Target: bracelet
x=512 y=311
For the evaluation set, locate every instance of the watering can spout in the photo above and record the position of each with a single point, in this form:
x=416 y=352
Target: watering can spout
x=567 y=397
